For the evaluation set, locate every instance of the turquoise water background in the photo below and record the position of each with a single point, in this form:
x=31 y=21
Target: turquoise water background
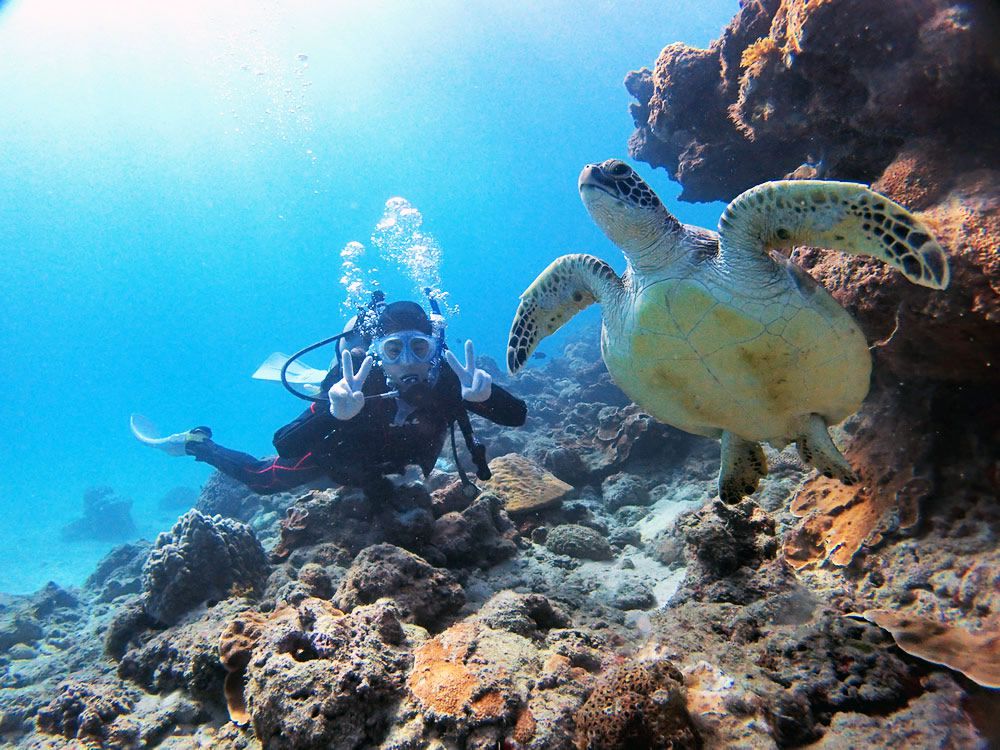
x=176 y=184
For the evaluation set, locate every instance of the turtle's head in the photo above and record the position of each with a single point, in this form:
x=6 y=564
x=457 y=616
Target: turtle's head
x=628 y=212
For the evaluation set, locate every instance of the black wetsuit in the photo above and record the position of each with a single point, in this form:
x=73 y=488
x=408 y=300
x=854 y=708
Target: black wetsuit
x=362 y=450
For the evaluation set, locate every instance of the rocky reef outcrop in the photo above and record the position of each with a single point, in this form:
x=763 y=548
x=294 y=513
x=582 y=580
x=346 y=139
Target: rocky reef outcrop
x=106 y=516
x=203 y=558
x=311 y=676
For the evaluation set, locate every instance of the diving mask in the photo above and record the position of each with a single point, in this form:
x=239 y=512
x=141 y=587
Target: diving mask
x=406 y=346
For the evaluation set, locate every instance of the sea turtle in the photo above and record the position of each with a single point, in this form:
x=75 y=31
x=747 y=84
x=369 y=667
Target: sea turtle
x=711 y=332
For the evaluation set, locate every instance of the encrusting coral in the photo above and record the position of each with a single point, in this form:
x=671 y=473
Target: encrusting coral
x=523 y=485
x=976 y=655
x=641 y=705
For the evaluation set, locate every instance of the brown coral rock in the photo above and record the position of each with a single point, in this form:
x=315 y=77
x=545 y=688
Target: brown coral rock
x=513 y=665
x=637 y=705
x=236 y=644
x=423 y=593
x=524 y=485
x=316 y=677
x=835 y=82
x=976 y=655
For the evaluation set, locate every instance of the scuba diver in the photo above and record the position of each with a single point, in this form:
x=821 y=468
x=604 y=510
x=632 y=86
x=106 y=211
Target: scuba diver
x=388 y=403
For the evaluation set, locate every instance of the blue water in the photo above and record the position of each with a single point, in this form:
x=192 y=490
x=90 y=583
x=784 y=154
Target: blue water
x=176 y=185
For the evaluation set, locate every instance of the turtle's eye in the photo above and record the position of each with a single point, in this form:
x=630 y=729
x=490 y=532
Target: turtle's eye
x=619 y=169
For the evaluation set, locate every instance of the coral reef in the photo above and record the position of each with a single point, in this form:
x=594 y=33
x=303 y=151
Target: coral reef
x=523 y=485
x=834 y=84
x=105 y=516
x=202 y=558
x=552 y=633
x=316 y=677
x=87 y=712
x=223 y=496
x=637 y=705
x=423 y=594
x=578 y=541
x=976 y=655
x=514 y=664
x=479 y=535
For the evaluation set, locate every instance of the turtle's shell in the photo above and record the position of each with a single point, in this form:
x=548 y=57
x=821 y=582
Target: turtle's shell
x=705 y=350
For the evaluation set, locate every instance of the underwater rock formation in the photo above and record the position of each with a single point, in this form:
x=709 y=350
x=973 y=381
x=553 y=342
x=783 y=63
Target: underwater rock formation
x=838 y=84
x=201 y=558
x=105 y=517
x=184 y=657
x=424 y=594
x=315 y=677
x=87 y=712
x=224 y=496
x=478 y=536
x=638 y=705
x=120 y=572
x=578 y=541
x=514 y=670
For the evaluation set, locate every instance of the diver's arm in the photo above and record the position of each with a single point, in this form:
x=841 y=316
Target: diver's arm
x=502 y=407
x=301 y=435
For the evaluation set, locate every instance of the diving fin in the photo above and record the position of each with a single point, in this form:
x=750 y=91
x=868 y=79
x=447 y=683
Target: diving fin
x=270 y=369
x=175 y=445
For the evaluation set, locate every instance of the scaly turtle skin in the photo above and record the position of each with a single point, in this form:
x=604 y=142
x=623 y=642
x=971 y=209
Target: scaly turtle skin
x=710 y=332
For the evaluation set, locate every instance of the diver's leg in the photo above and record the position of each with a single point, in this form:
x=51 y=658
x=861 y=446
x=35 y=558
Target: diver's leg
x=264 y=476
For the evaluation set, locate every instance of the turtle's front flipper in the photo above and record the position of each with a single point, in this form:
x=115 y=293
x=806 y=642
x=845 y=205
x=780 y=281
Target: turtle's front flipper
x=837 y=215
x=568 y=285
x=743 y=466
x=817 y=449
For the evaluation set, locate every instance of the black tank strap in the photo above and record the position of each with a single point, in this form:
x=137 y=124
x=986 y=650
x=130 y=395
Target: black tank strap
x=476 y=449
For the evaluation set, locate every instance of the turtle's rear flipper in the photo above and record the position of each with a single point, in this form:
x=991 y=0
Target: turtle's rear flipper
x=842 y=216
x=567 y=286
x=817 y=449
x=743 y=466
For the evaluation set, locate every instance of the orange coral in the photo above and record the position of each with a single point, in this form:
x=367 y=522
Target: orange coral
x=838 y=520
x=758 y=52
x=976 y=655
x=443 y=683
x=524 y=727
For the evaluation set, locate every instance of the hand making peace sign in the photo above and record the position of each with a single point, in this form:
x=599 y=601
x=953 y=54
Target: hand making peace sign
x=346 y=397
x=477 y=385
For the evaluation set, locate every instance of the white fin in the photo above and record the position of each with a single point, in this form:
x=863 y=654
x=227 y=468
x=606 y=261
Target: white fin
x=145 y=431
x=297 y=372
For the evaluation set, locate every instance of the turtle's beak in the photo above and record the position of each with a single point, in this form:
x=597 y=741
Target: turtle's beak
x=592 y=176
